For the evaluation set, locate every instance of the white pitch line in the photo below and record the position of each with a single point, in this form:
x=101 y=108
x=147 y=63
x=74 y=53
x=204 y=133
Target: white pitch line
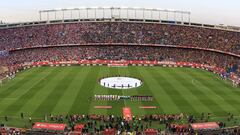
x=219 y=96
x=124 y=99
x=193 y=82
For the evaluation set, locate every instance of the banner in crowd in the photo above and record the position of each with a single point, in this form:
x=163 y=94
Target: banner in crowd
x=126 y=63
x=207 y=125
x=150 y=131
x=107 y=62
x=49 y=126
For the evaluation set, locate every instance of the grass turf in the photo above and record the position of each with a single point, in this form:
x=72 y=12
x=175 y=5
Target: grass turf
x=68 y=90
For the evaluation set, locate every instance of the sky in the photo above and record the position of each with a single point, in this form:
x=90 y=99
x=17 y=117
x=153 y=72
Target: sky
x=225 y=12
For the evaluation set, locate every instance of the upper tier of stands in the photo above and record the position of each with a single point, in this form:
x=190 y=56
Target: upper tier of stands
x=119 y=32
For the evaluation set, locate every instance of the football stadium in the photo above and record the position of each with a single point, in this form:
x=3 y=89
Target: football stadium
x=119 y=71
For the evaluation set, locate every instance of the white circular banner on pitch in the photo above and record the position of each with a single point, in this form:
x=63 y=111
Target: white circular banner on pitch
x=120 y=82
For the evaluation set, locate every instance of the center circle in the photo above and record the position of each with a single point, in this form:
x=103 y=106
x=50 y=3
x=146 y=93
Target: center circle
x=120 y=82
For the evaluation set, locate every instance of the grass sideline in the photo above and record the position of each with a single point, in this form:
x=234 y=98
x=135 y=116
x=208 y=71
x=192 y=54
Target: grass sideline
x=68 y=90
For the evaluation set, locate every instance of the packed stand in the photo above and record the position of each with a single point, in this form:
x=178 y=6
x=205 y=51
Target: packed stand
x=119 y=32
x=122 y=53
x=3 y=68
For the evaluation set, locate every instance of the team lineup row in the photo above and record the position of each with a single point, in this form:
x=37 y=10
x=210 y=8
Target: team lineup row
x=121 y=97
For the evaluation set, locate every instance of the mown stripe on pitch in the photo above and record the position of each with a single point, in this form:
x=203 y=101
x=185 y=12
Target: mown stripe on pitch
x=21 y=101
x=218 y=108
x=224 y=86
x=160 y=95
x=52 y=99
x=117 y=105
x=20 y=83
x=64 y=104
x=173 y=93
x=225 y=96
x=147 y=91
x=184 y=85
x=228 y=95
x=44 y=92
x=81 y=103
x=135 y=91
x=19 y=77
x=93 y=84
x=227 y=85
x=16 y=93
x=194 y=90
x=31 y=105
x=99 y=90
x=220 y=92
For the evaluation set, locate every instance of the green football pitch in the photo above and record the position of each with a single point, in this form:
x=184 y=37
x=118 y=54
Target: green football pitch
x=69 y=90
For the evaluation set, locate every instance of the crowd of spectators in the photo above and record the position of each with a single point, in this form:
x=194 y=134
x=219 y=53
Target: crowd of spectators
x=137 y=33
x=98 y=123
x=119 y=32
x=167 y=124
x=172 y=124
x=3 y=68
x=122 y=53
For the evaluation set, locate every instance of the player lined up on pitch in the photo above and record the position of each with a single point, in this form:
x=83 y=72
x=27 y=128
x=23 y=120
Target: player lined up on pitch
x=121 y=97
